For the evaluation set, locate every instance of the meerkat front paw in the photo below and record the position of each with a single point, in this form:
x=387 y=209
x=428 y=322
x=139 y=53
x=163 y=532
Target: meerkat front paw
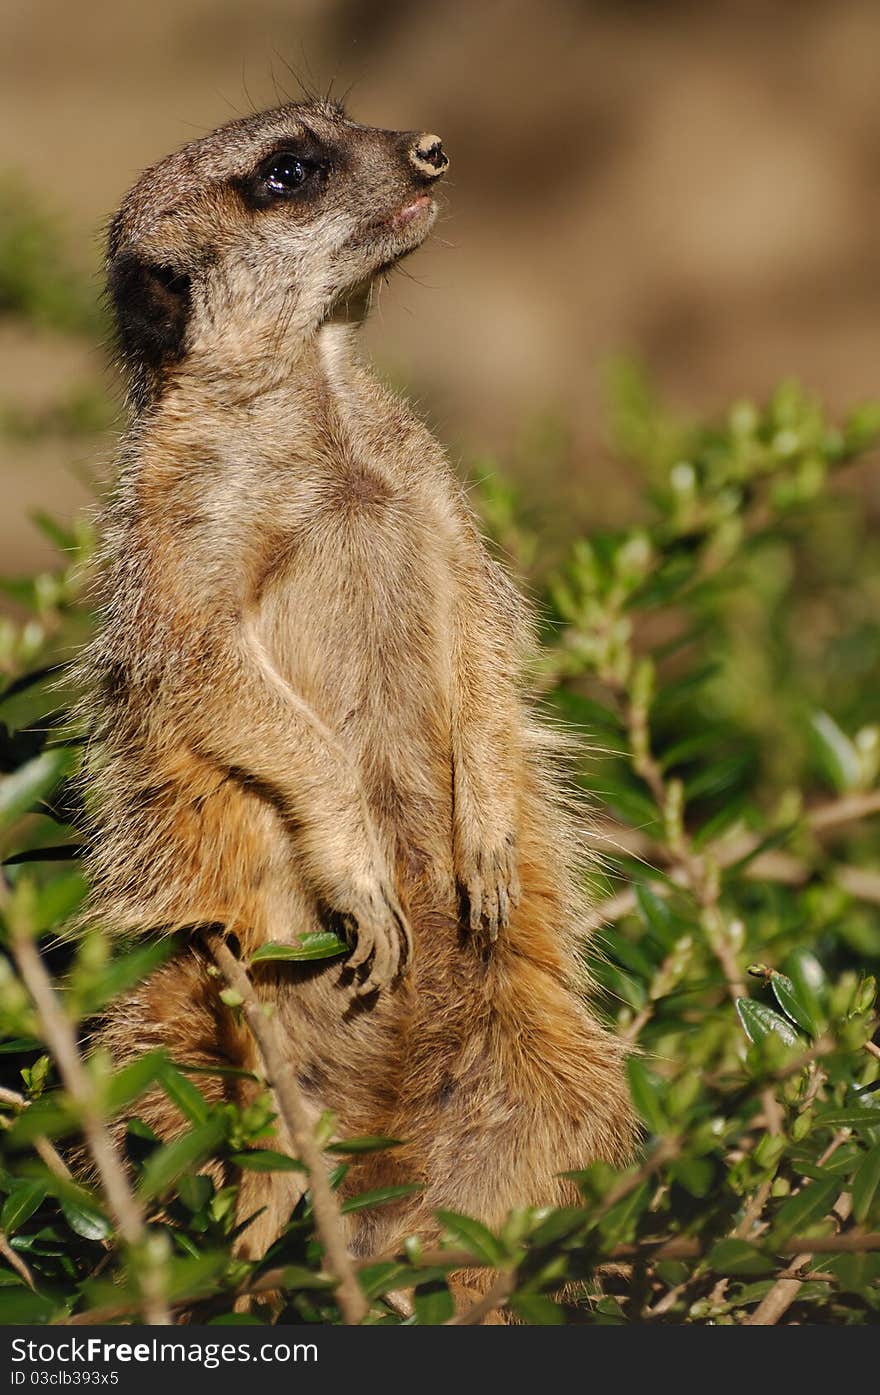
x=378 y=930
x=489 y=878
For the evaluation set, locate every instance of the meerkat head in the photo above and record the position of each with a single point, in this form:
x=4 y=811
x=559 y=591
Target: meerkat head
x=246 y=240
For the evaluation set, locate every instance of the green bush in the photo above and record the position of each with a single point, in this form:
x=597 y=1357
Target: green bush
x=722 y=660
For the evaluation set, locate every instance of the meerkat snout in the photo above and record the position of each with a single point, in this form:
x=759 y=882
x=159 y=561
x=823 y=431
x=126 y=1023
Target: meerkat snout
x=428 y=157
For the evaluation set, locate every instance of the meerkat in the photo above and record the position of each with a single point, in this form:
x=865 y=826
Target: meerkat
x=308 y=702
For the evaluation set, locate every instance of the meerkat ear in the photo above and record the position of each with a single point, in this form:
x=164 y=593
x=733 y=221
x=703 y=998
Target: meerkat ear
x=151 y=304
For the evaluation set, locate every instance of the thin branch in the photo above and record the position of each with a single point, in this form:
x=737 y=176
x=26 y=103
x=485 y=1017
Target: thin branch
x=752 y=1213
x=58 y=1034
x=850 y=1242
x=774 y=866
x=666 y=1150
x=776 y=1303
x=293 y=1110
x=849 y=809
x=16 y=1261
x=46 y=1150
x=644 y=1251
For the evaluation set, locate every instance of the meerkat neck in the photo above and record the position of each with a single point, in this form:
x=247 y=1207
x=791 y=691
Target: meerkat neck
x=337 y=353
x=296 y=394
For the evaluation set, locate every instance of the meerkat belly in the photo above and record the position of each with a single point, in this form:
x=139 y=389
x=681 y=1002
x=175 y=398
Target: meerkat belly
x=360 y=627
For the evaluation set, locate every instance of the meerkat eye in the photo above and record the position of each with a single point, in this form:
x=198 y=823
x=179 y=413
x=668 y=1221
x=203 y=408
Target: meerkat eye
x=286 y=172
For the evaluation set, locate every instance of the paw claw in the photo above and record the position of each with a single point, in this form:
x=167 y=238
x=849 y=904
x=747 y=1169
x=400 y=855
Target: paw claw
x=380 y=935
x=492 y=887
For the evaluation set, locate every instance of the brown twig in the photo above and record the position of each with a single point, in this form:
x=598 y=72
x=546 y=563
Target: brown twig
x=770 y=866
x=16 y=1261
x=686 y=1247
x=779 y=1299
x=666 y=1149
x=849 y=809
x=775 y=1117
x=644 y=1251
x=293 y=1110
x=44 y=1149
x=58 y=1034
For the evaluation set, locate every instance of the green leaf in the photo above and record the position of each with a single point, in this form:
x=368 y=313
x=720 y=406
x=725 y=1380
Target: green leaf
x=717 y=778
x=58 y=898
x=788 y=999
x=808 y=978
x=629 y=805
x=384 y=1277
x=318 y=944
x=760 y=1021
x=657 y=915
x=865 y=1183
x=189 y=1100
x=30 y=680
x=265 y=1160
x=296 y=1276
x=619 y=1224
x=851 y=1117
x=595 y=717
x=162 y=1168
x=368 y=1143
x=738 y=1258
x=21 y=1204
x=127 y=1084
x=806 y=1206
x=33 y=782
x=433 y=1304
x=60 y=852
x=537 y=1309
x=559 y=1224
x=19 y=1045
x=21 y=1305
x=696 y=1175
x=380 y=1196
x=195 y=1192
x=837 y=755
x=125 y=971
x=475 y=1237
x=85 y=1217
x=138 y=1129
x=190 y=1278
x=645 y=1088
x=51 y=1116
x=733 y=809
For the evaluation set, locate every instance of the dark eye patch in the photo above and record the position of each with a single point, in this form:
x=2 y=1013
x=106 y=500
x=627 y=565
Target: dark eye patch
x=286 y=173
x=294 y=172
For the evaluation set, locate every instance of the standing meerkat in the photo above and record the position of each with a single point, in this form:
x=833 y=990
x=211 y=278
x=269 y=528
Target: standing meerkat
x=307 y=698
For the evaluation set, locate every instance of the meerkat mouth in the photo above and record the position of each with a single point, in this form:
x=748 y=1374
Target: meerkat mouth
x=393 y=236
x=423 y=204
x=413 y=218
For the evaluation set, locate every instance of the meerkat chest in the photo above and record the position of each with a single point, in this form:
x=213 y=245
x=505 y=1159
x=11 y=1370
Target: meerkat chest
x=359 y=616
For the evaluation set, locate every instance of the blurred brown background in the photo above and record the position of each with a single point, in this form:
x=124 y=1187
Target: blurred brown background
x=696 y=183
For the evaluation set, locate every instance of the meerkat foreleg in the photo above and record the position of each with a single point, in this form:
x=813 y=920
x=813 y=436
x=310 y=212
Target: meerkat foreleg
x=257 y=727
x=485 y=750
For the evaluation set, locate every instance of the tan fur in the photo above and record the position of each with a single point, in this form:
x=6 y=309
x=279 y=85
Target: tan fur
x=308 y=702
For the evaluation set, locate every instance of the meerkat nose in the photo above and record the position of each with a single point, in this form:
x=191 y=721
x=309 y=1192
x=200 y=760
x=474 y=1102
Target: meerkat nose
x=427 y=156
